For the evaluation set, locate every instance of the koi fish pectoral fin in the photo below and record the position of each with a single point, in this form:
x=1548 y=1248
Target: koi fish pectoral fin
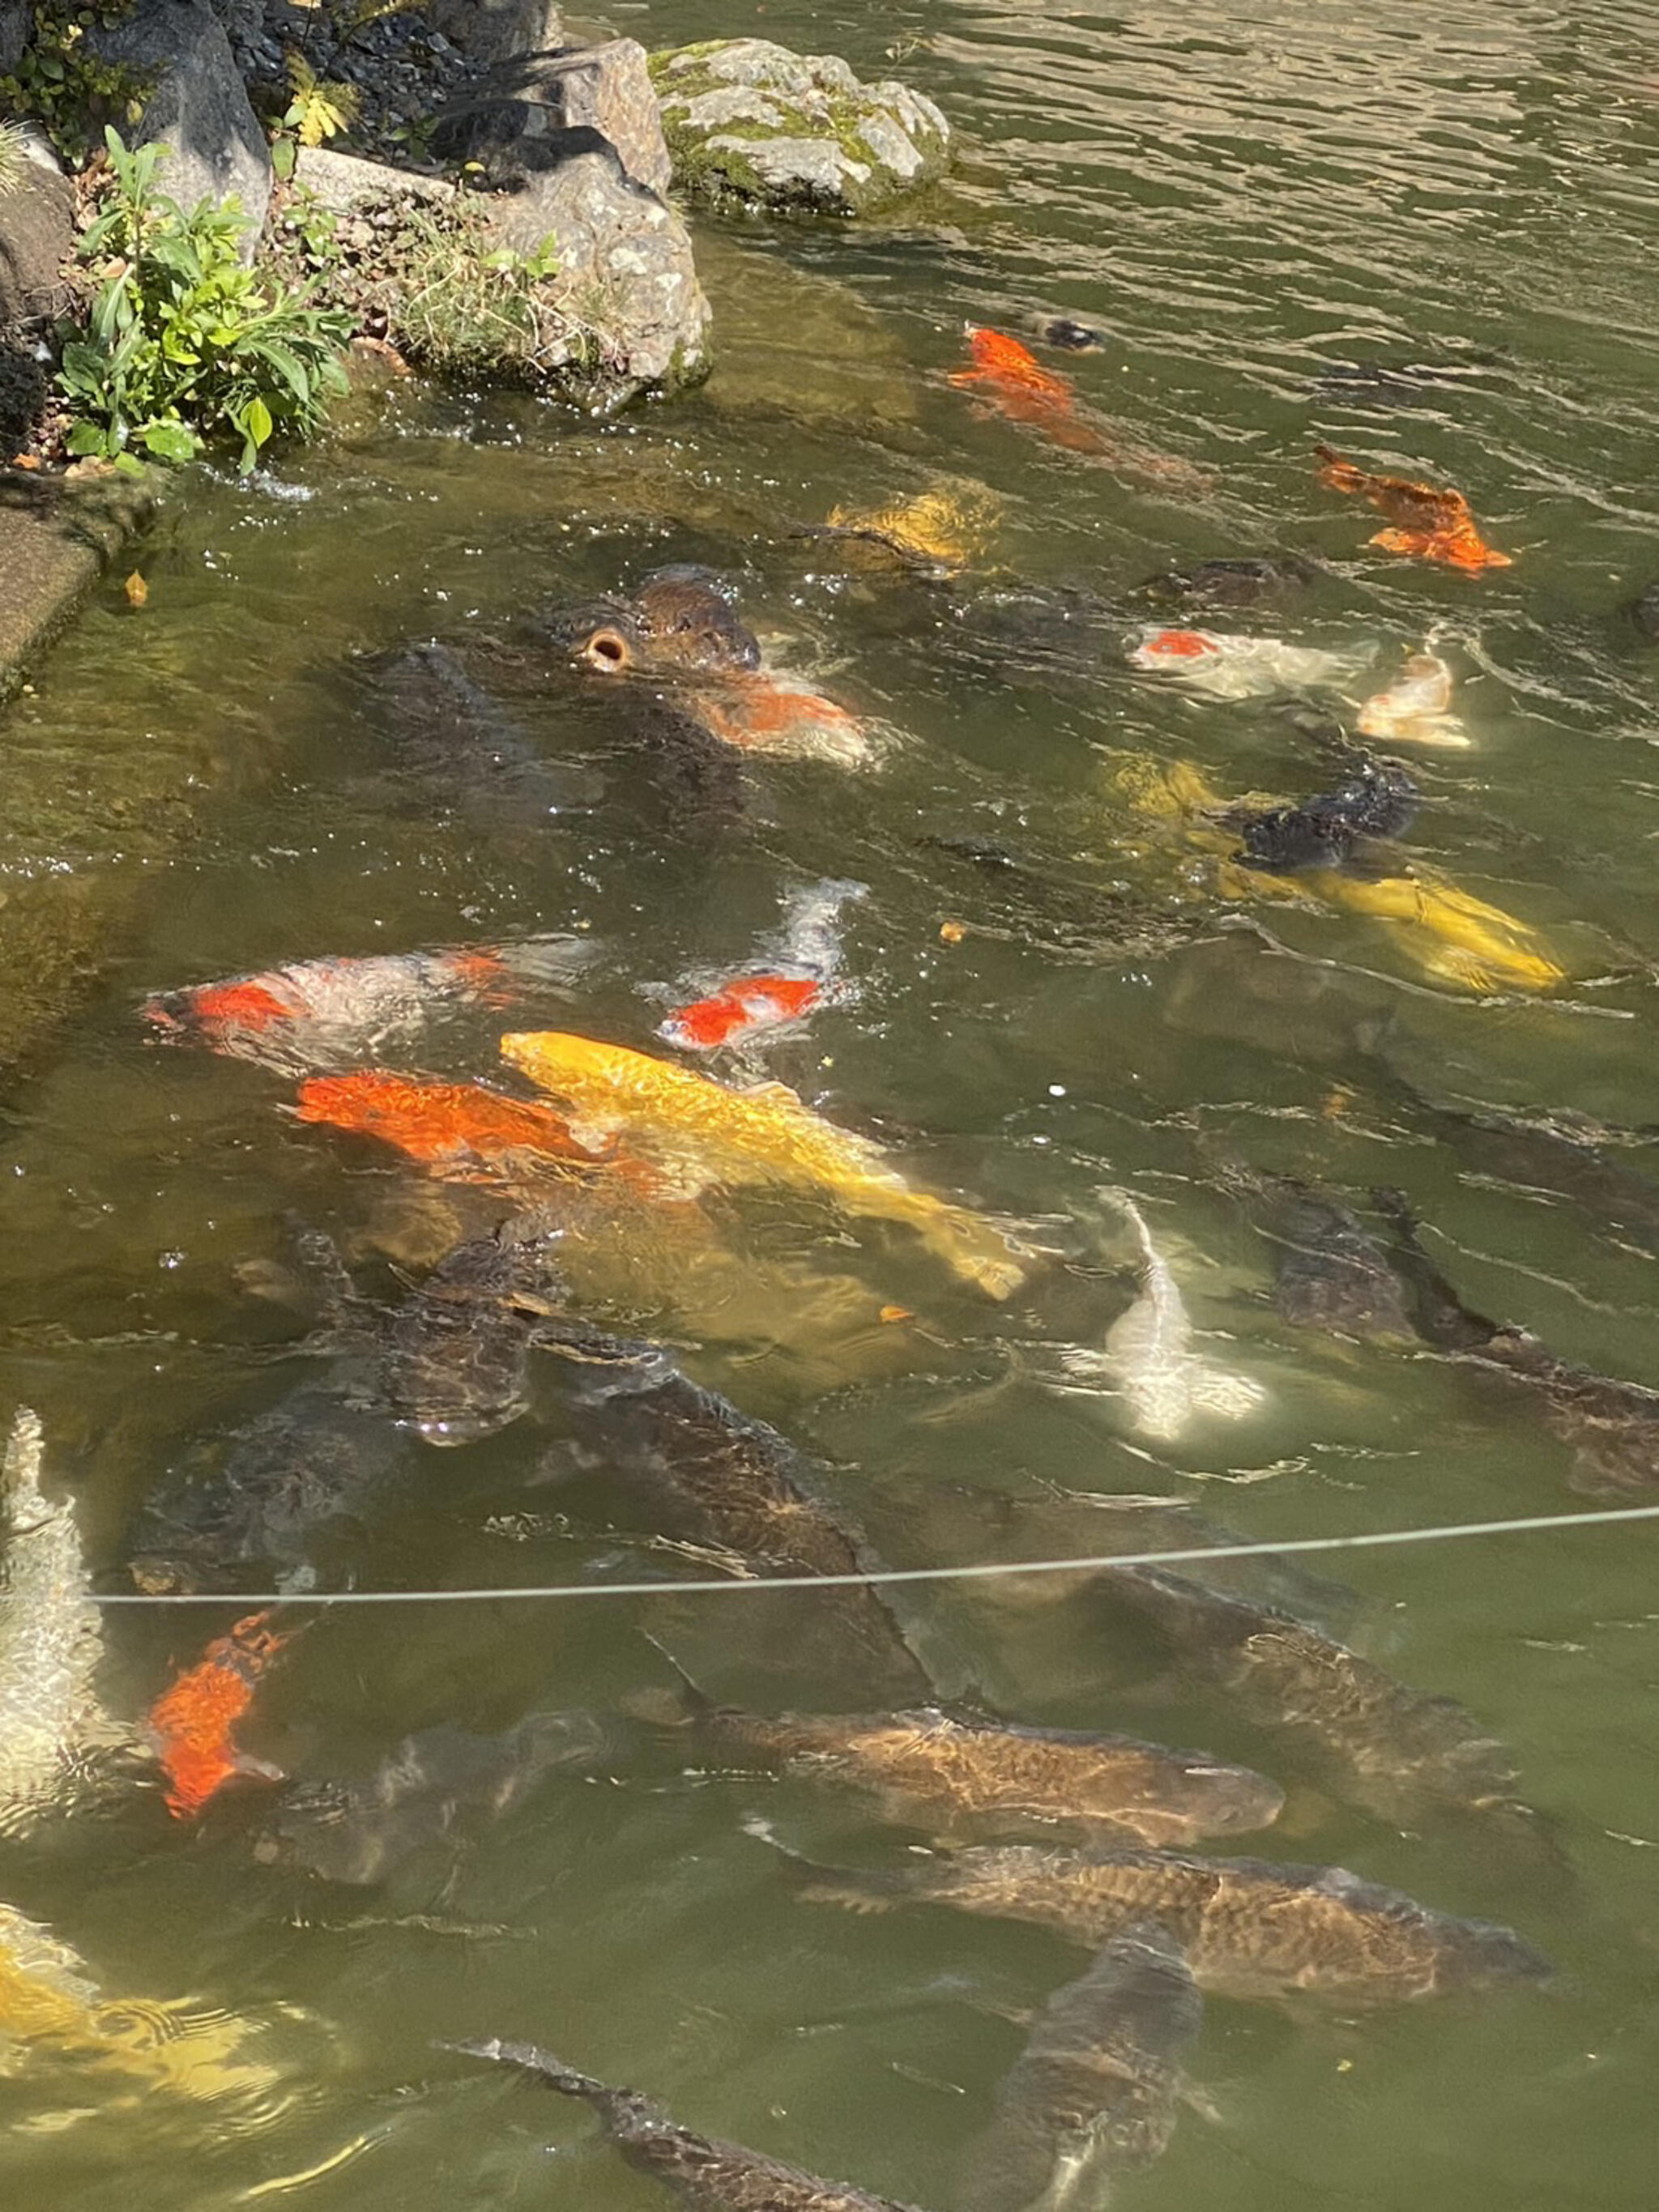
x=1232 y=1397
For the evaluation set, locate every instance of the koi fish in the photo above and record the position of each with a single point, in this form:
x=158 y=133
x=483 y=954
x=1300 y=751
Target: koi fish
x=458 y=1129
x=190 y=1723
x=1235 y=667
x=50 y=2003
x=1427 y=521
x=946 y=527
x=1149 y=1355
x=1250 y=1928
x=1413 y=710
x=1096 y=2091
x=1405 y=1755
x=928 y=1764
x=1060 y=332
x=1375 y=800
x=1015 y=381
x=1450 y=934
x=759 y=999
x=51 y=1637
x=436 y=1787
x=707 y=2174
x=319 y=1014
x=688 y=1122
x=768 y=712
x=740 y=1008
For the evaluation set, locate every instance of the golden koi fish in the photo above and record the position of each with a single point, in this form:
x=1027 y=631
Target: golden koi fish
x=764 y=1134
x=49 y=2003
x=1450 y=934
x=948 y=525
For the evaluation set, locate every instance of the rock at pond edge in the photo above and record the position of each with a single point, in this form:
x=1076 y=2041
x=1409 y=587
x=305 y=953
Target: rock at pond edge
x=747 y=120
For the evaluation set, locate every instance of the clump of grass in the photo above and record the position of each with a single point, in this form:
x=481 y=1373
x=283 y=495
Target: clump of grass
x=467 y=309
x=429 y=277
x=13 y=157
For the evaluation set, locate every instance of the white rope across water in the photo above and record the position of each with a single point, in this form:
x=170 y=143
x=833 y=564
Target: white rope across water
x=875 y=1577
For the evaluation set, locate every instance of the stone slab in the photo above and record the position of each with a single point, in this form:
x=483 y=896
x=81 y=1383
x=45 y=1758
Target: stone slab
x=57 y=535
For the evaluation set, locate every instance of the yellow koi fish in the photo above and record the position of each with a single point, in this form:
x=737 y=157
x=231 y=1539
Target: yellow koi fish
x=947 y=527
x=50 y=2003
x=1450 y=934
x=762 y=1134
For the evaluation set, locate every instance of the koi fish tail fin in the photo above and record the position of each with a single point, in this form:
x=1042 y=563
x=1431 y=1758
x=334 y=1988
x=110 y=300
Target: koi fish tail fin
x=681 y=1702
x=973 y=1249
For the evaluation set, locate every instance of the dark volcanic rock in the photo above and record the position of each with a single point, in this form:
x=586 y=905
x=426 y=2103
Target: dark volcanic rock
x=534 y=111
x=198 y=106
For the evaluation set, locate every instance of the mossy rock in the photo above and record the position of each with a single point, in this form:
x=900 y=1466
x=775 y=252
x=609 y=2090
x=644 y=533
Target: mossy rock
x=748 y=122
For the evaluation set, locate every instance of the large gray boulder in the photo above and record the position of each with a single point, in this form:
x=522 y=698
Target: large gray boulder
x=626 y=282
x=748 y=121
x=198 y=105
x=37 y=237
x=342 y=183
x=535 y=111
x=16 y=21
x=491 y=31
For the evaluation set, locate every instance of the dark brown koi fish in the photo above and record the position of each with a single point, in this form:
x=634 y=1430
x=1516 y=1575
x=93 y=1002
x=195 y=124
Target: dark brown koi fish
x=1094 y=2092
x=709 y=2174
x=1249 y=1928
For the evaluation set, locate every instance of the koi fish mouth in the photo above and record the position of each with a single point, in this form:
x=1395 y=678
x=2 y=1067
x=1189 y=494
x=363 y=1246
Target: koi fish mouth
x=607 y=652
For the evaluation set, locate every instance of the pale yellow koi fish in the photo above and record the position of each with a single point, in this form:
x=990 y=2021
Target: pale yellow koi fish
x=698 y=1127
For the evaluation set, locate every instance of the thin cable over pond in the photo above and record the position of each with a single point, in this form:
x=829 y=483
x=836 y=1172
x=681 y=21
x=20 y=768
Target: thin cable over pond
x=984 y=1571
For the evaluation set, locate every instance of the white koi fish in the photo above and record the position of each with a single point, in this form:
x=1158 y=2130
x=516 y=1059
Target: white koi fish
x=50 y=1639
x=322 y=1016
x=1228 y=666
x=1413 y=710
x=1149 y=1359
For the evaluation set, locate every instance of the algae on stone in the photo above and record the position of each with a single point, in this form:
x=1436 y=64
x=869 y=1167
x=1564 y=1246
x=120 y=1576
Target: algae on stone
x=747 y=121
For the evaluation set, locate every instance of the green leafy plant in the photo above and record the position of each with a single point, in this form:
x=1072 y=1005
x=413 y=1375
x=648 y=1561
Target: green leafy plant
x=186 y=345
x=66 y=89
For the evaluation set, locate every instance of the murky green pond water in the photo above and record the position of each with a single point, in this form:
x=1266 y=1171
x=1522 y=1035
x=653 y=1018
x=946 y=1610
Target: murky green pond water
x=1248 y=203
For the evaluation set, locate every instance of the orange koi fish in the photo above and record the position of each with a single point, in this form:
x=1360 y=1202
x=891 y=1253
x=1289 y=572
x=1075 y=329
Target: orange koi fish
x=1014 y=381
x=457 y=1129
x=793 y=976
x=191 y=1723
x=761 y=712
x=1432 y=524
x=318 y=1014
x=740 y=1008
